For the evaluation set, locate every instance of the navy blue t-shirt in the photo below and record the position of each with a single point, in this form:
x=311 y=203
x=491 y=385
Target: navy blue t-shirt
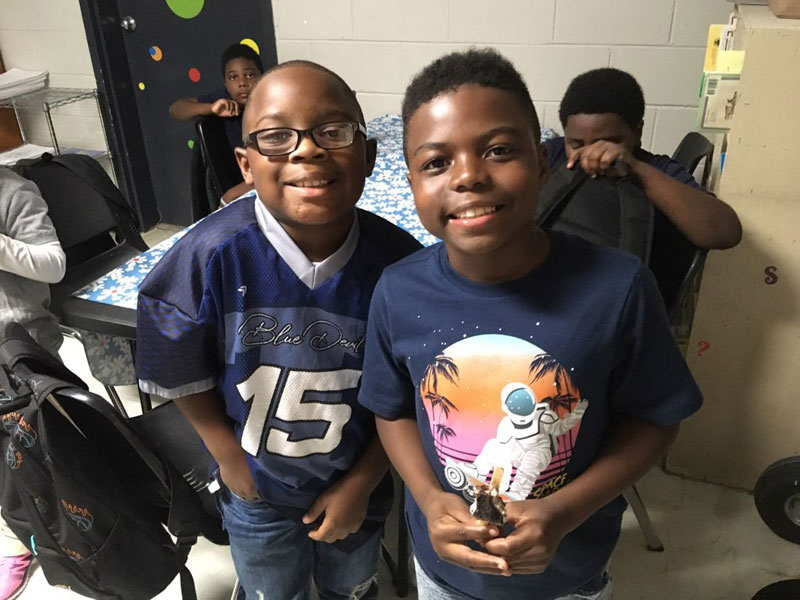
x=233 y=125
x=528 y=375
x=223 y=309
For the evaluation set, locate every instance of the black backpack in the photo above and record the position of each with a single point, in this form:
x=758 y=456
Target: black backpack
x=81 y=489
x=609 y=213
x=619 y=214
x=78 y=191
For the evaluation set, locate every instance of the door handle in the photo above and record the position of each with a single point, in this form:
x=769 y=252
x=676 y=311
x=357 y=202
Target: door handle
x=128 y=24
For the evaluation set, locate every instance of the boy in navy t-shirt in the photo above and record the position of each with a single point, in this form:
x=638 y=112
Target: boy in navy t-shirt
x=241 y=67
x=505 y=346
x=254 y=323
x=602 y=114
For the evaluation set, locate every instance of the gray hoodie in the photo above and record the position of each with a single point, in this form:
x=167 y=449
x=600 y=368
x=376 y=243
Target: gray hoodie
x=30 y=259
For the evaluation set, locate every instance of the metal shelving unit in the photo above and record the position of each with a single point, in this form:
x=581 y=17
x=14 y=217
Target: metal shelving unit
x=47 y=99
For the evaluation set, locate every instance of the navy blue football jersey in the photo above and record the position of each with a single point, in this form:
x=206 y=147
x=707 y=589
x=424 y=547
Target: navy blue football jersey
x=223 y=308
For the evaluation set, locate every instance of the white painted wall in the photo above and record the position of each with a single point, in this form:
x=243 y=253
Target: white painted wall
x=377 y=45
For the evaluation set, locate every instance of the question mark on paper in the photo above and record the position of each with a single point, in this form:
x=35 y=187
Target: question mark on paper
x=772 y=276
x=702 y=347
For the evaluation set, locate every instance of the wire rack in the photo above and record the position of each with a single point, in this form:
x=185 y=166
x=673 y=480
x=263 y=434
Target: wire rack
x=47 y=98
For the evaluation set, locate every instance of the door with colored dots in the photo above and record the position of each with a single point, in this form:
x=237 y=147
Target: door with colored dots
x=169 y=49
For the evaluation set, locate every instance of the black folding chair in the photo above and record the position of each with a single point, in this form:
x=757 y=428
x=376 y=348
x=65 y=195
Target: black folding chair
x=693 y=148
x=214 y=168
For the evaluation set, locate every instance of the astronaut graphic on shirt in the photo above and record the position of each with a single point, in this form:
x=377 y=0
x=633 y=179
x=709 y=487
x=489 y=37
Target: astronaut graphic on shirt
x=532 y=423
x=526 y=441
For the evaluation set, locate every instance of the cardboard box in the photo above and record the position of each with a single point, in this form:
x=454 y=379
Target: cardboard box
x=786 y=9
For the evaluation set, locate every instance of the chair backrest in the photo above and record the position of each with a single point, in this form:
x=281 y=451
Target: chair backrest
x=84 y=205
x=693 y=148
x=203 y=200
x=220 y=162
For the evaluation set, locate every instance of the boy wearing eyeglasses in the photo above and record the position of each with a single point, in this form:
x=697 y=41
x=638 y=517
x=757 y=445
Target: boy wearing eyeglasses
x=255 y=324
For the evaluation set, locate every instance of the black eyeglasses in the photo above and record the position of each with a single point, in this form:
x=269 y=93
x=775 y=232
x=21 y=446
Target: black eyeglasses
x=277 y=141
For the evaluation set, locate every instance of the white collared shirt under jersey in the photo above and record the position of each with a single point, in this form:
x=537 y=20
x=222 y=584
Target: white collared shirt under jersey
x=313 y=274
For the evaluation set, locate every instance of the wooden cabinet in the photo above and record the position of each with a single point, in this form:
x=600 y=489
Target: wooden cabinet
x=745 y=345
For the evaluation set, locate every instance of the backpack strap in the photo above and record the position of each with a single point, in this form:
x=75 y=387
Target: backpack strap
x=636 y=215
x=40 y=370
x=188 y=591
x=91 y=173
x=562 y=186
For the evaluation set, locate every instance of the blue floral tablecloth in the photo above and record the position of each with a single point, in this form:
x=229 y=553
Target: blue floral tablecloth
x=386 y=193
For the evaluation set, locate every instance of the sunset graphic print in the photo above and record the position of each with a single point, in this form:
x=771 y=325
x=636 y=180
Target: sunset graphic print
x=499 y=401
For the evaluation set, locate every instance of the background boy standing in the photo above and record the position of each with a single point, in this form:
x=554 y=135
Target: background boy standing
x=503 y=321
x=254 y=323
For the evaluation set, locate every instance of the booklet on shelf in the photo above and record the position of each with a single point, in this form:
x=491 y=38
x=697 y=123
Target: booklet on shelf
x=16 y=81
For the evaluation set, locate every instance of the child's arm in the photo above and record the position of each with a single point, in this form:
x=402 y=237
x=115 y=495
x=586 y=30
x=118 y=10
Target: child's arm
x=705 y=220
x=450 y=523
x=632 y=448
x=29 y=248
x=205 y=412
x=45 y=262
x=345 y=502
x=186 y=109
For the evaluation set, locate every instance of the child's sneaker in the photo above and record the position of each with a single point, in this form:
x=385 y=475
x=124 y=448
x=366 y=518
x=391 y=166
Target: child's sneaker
x=14 y=573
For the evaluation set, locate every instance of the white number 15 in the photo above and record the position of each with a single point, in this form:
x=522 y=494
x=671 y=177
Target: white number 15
x=260 y=389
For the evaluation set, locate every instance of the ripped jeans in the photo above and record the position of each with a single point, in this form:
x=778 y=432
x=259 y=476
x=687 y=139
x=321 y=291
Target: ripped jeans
x=274 y=555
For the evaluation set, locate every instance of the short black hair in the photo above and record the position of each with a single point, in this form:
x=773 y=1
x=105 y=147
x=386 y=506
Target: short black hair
x=485 y=67
x=601 y=91
x=335 y=76
x=240 y=51
x=311 y=65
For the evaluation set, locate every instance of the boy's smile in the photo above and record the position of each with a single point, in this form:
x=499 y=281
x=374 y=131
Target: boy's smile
x=311 y=191
x=475 y=170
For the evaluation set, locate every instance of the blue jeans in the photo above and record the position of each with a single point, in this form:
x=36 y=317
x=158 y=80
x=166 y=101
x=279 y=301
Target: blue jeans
x=274 y=555
x=427 y=589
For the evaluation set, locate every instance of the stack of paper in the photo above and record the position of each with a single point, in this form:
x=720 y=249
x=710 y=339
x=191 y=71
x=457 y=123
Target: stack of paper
x=9 y=157
x=16 y=81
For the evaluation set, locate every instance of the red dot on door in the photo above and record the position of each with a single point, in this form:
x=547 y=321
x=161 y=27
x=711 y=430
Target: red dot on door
x=194 y=74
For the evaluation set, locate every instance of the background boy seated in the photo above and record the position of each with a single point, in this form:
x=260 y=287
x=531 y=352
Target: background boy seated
x=254 y=322
x=602 y=114
x=241 y=68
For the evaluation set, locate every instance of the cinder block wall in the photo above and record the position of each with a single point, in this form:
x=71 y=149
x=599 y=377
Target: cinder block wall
x=377 y=45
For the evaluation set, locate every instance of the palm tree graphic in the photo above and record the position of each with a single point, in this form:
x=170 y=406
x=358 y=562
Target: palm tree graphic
x=441 y=367
x=564 y=397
